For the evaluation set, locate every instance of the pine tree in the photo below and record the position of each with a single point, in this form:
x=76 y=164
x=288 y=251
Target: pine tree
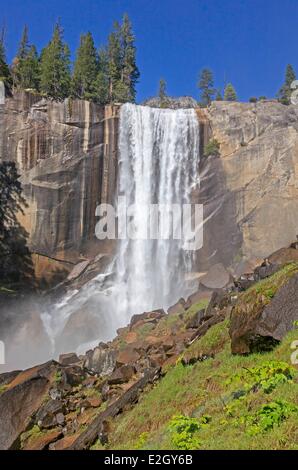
x=85 y=69
x=25 y=68
x=206 y=85
x=15 y=259
x=5 y=75
x=130 y=71
x=55 y=78
x=114 y=61
x=123 y=72
x=218 y=96
x=230 y=93
x=102 y=79
x=284 y=94
x=162 y=90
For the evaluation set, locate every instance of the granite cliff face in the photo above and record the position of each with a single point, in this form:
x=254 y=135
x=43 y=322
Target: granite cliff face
x=250 y=193
x=66 y=155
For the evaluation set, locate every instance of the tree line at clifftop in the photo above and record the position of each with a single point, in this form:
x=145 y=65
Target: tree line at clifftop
x=105 y=75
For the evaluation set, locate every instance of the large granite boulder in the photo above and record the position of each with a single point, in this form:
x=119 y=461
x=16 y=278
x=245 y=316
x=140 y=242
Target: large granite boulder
x=19 y=401
x=257 y=326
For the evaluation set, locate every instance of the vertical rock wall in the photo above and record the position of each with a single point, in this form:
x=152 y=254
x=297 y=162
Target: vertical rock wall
x=66 y=155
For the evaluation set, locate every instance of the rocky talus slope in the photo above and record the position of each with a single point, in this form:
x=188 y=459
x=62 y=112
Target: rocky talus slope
x=216 y=371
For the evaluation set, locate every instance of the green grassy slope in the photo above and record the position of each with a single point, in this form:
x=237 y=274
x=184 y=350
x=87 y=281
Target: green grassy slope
x=222 y=401
x=202 y=389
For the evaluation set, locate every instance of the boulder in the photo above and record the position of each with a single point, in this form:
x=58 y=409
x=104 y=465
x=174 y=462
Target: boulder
x=8 y=377
x=67 y=359
x=261 y=328
x=42 y=440
x=218 y=301
x=72 y=375
x=266 y=270
x=121 y=375
x=216 y=278
x=101 y=360
x=21 y=400
x=195 y=320
x=127 y=356
x=200 y=294
x=46 y=417
x=78 y=270
x=178 y=307
x=153 y=316
x=283 y=256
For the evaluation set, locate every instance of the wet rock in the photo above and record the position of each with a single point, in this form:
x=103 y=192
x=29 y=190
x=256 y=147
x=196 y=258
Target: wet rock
x=216 y=278
x=78 y=270
x=101 y=360
x=153 y=317
x=68 y=359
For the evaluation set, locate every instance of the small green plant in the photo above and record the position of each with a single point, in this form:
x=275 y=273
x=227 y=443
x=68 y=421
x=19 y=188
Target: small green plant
x=267 y=376
x=58 y=376
x=269 y=416
x=212 y=148
x=295 y=323
x=33 y=433
x=3 y=389
x=141 y=441
x=183 y=430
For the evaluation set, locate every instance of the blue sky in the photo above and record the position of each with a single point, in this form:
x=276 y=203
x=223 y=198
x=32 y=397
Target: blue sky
x=247 y=42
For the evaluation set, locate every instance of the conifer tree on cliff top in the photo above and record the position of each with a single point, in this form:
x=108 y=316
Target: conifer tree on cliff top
x=102 y=78
x=230 y=93
x=123 y=73
x=206 y=85
x=4 y=69
x=85 y=69
x=284 y=94
x=55 y=76
x=25 y=68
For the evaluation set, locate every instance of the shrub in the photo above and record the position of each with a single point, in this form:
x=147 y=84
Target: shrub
x=267 y=376
x=212 y=148
x=269 y=416
x=184 y=429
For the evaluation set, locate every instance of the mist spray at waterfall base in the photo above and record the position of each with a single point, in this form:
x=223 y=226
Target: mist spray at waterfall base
x=158 y=164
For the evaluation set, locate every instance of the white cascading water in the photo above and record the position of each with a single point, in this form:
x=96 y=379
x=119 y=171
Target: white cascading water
x=158 y=164
x=159 y=152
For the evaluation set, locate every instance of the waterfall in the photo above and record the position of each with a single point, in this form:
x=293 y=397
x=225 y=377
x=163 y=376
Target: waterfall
x=158 y=162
